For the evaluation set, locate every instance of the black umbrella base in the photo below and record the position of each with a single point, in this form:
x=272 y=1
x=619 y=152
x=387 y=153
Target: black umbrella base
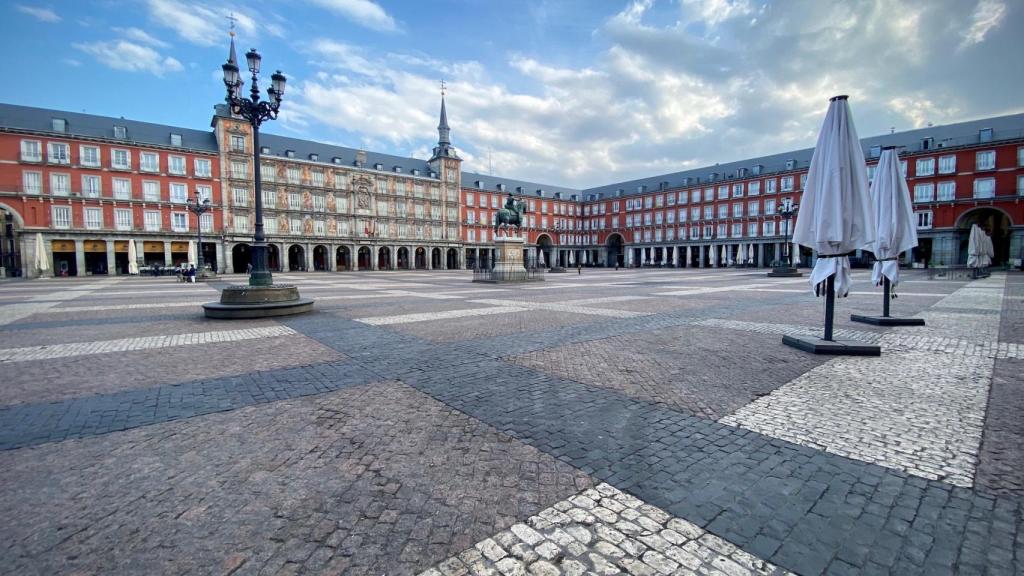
x=784 y=272
x=247 y=302
x=887 y=320
x=836 y=347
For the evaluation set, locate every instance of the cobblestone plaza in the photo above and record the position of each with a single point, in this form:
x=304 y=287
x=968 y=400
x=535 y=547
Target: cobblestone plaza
x=629 y=421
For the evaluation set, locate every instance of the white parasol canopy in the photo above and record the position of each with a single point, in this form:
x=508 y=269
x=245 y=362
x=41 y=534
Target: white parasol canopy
x=133 y=258
x=192 y=252
x=42 y=262
x=750 y=253
x=894 y=213
x=989 y=252
x=687 y=263
x=725 y=256
x=836 y=215
x=975 y=247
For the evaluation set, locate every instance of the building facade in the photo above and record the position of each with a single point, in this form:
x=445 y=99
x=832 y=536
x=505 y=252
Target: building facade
x=81 y=187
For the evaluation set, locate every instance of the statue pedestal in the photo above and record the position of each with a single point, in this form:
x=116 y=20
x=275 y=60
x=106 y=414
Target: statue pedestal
x=508 y=263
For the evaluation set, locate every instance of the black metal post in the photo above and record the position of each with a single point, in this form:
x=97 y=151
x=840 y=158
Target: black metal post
x=260 y=275
x=887 y=289
x=830 y=305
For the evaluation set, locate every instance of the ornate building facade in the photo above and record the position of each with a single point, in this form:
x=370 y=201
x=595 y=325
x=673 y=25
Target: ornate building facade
x=81 y=187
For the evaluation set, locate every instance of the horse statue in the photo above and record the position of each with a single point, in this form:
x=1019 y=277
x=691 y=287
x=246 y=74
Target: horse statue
x=510 y=215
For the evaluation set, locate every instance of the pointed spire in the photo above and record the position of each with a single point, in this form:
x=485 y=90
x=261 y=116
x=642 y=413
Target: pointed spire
x=443 y=137
x=232 y=59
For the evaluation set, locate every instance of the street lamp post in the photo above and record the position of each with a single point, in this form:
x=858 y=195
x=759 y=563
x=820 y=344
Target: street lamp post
x=256 y=111
x=199 y=208
x=788 y=210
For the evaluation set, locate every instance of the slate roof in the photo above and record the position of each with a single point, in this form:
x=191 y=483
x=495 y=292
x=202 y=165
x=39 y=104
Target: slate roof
x=92 y=126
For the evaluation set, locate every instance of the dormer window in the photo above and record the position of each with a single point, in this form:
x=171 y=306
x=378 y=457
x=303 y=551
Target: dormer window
x=790 y=164
x=480 y=184
x=314 y=157
x=397 y=169
x=59 y=124
x=415 y=172
x=175 y=139
x=121 y=132
x=875 y=151
x=501 y=187
x=289 y=153
x=378 y=166
x=985 y=135
x=336 y=160
x=757 y=169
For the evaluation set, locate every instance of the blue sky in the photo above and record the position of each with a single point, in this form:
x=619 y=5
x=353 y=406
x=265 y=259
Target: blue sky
x=573 y=93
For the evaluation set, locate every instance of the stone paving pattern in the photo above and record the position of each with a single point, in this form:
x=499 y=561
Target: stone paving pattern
x=142 y=469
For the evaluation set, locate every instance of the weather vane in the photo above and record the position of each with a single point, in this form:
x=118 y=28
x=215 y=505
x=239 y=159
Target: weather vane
x=444 y=87
x=231 y=18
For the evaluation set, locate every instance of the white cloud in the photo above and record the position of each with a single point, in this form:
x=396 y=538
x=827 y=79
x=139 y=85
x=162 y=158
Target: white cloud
x=714 y=12
x=986 y=16
x=41 y=14
x=201 y=25
x=131 y=57
x=363 y=12
x=141 y=36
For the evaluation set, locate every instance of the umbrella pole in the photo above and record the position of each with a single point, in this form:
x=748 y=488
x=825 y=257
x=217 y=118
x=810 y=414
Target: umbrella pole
x=886 y=286
x=830 y=305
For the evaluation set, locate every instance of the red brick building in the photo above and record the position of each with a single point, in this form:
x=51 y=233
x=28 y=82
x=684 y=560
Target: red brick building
x=86 y=186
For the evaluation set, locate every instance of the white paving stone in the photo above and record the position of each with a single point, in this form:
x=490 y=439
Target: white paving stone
x=10 y=355
x=445 y=315
x=552 y=542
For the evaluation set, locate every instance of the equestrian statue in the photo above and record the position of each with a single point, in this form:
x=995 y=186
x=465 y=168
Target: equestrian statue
x=511 y=215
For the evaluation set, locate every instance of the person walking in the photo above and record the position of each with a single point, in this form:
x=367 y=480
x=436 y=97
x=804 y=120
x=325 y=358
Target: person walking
x=192 y=273
x=579 y=268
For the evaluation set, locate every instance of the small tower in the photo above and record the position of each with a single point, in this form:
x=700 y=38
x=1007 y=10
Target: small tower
x=444 y=148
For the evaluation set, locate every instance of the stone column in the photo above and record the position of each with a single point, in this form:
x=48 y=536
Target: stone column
x=111 y=260
x=80 y=256
x=374 y=258
x=760 y=255
x=167 y=254
x=222 y=262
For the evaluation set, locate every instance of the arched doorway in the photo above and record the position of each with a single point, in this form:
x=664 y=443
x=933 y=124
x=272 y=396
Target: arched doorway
x=364 y=258
x=342 y=259
x=403 y=258
x=384 y=258
x=273 y=257
x=616 y=251
x=453 y=259
x=241 y=258
x=544 y=251
x=296 y=258
x=995 y=223
x=320 y=258
x=435 y=258
x=11 y=225
x=421 y=258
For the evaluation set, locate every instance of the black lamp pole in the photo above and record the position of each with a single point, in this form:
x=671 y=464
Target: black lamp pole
x=199 y=208
x=788 y=210
x=256 y=112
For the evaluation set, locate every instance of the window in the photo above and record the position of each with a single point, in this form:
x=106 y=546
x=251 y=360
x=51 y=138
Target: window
x=1020 y=185
x=294 y=175
x=470 y=199
x=62 y=216
x=947 y=191
x=317 y=177
x=670 y=217
x=60 y=184
x=984 y=187
x=787 y=183
x=752 y=229
x=295 y=201
x=947 y=164
x=149 y=162
x=985 y=160
x=737 y=210
x=754 y=208
x=754 y=188
x=31 y=151
x=1020 y=156
x=123 y=218
x=682 y=197
x=769 y=228
x=924 y=192
x=737 y=230
x=319 y=203
x=93 y=218
x=32 y=182
x=239 y=196
x=722 y=230
x=723 y=192
x=709 y=212
x=120 y=159
x=241 y=223
x=670 y=199
x=91 y=186
x=709 y=194
x=769 y=206
x=175 y=139
x=237 y=143
x=871 y=172
x=267 y=172
x=150 y=191
x=382 y=185
x=270 y=225
x=319 y=227
x=737 y=190
x=58 y=153
x=647 y=219
x=615 y=222
x=120 y=132
x=695 y=196
x=659 y=201
x=89 y=156
x=206 y=222
x=269 y=199
x=152 y=220
x=179 y=193
x=203 y=168
x=925 y=167
x=340 y=180
x=179 y=222
x=122 y=188
x=204 y=193
x=658 y=218
x=723 y=210
x=903 y=168
x=682 y=215
x=239 y=169
x=769 y=186
x=924 y=218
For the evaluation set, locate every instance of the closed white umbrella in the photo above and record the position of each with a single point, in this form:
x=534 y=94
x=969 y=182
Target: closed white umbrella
x=192 y=252
x=725 y=255
x=133 y=256
x=836 y=216
x=989 y=252
x=750 y=253
x=894 y=214
x=687 y=263
x=42 y=261
x=975 y=248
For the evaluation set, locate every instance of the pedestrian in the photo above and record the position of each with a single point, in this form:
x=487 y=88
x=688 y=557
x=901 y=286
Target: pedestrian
x=579 y=268
x=248 y=268
x=192 y=273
